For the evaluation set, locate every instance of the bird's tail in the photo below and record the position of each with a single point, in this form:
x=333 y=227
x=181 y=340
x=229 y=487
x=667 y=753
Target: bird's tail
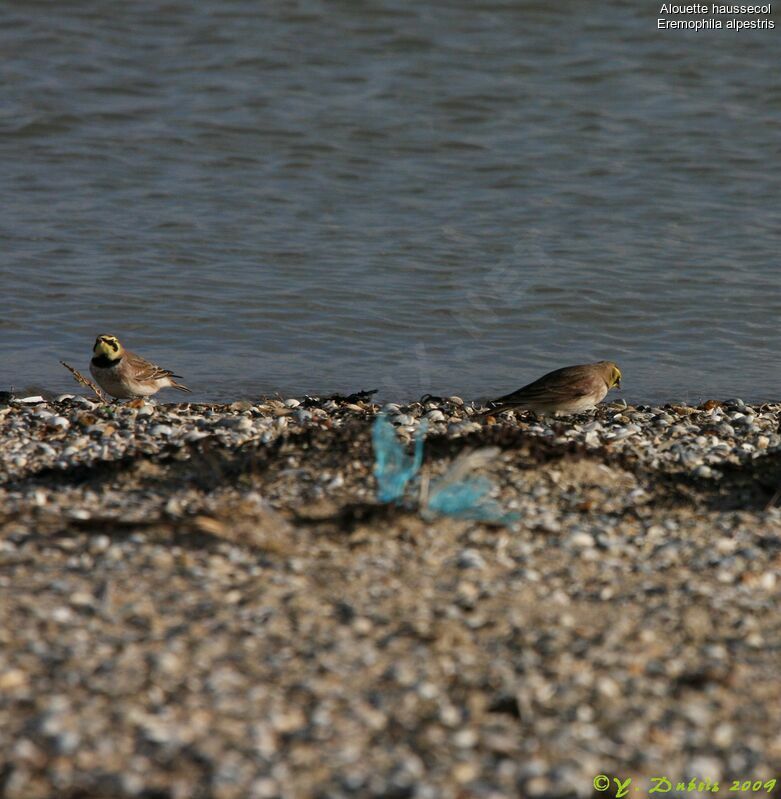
x=180 y=387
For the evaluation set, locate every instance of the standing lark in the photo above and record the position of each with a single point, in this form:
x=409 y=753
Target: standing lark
x=573 y=389
x=125 y=375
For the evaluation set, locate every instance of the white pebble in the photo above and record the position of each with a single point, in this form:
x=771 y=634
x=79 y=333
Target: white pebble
x=582 y=540
x=465 y=739
x=100 y=543
x=767 y=581
x=62 y=614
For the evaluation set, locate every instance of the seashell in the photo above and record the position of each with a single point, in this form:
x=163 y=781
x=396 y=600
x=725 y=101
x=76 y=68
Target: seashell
x=592 y=439
x=161 y=430
x=244 y=424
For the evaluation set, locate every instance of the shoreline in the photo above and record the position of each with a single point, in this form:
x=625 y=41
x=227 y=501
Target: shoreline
x=210 y=601
x=382 y=396
x=36 y=433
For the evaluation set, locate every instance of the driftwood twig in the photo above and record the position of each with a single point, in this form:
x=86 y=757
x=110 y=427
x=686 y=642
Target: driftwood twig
x=85 y=381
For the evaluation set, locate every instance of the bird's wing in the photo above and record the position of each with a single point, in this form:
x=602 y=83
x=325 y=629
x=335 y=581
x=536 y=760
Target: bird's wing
x=145 y=370
x=563 y=384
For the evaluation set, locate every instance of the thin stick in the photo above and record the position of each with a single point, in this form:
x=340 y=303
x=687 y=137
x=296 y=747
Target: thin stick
x=85 y=381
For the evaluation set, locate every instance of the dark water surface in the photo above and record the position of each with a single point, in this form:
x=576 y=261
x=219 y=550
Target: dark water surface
x=421 y=197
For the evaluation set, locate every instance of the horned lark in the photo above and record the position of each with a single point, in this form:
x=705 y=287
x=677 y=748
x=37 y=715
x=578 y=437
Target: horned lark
x=123 y=374
x=572 y=389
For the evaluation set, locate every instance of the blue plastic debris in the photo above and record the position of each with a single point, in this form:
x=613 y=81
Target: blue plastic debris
x=466 y=499
x=463 y=496
x=393 y=467
x=457 y=493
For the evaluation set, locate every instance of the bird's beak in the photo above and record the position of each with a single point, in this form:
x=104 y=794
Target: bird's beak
x=618 y=384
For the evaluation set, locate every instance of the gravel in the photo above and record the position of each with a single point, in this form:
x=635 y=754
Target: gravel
x=207 y=601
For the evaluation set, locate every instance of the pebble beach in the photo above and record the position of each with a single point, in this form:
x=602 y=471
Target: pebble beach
x=209 y=601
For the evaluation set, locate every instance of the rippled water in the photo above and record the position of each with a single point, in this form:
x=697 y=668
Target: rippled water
x=430 y=197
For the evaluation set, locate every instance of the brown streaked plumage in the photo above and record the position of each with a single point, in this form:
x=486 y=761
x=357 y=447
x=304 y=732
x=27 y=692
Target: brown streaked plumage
x=573 y=389
x=125 y=375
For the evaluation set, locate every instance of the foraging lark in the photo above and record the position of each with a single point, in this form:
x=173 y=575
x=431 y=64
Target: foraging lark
x=572 y=389
x=125 y=375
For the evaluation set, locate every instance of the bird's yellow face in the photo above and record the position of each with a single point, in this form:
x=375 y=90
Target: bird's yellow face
x=615 y=377
x=108 y=347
